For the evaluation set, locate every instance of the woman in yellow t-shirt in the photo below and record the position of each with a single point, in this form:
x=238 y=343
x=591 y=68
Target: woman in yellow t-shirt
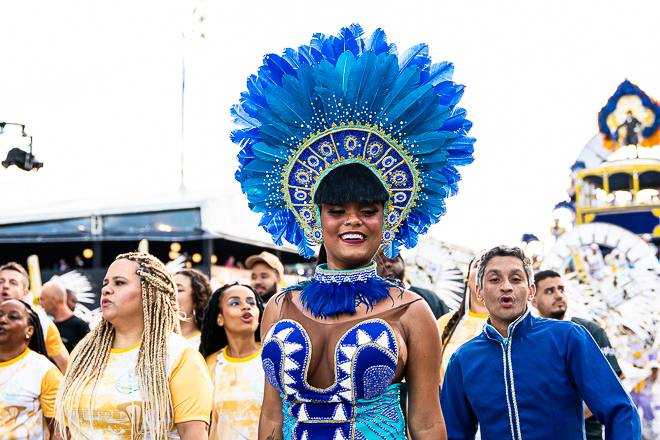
x=28 y=380
x=231 y=345
x=194 y=291
x=134 y=376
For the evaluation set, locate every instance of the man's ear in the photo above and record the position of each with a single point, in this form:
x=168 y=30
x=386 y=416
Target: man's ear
x=479 y=293
x=532 y=295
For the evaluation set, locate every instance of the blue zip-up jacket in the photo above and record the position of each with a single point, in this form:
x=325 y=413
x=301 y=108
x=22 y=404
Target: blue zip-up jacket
x=531 y=385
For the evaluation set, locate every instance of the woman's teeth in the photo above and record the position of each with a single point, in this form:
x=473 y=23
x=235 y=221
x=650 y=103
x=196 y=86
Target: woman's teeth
x=353 y=236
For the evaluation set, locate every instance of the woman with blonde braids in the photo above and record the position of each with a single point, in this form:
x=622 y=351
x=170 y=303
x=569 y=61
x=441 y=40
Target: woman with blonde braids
x=134 y=376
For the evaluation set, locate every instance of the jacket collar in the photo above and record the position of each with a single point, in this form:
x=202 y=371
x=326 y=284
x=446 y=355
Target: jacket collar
x=517 y=328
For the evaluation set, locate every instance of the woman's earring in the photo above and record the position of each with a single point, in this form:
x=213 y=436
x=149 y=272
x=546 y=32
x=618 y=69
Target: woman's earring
x=27 y=337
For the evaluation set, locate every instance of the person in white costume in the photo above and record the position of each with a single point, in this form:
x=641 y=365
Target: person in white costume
x=28 y=379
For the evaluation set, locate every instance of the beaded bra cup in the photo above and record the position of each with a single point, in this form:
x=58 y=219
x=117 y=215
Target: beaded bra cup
x=361 y=402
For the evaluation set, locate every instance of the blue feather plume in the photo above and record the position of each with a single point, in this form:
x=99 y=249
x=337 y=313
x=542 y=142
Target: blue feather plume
x=346 y=78
x=325 y=300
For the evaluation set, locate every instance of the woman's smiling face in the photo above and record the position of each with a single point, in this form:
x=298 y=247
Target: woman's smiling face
x=352 y=233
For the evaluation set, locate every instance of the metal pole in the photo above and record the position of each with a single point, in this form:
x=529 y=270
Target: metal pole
x=96 y=258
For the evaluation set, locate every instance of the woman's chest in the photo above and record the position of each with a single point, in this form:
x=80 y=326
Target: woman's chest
x=364 y=358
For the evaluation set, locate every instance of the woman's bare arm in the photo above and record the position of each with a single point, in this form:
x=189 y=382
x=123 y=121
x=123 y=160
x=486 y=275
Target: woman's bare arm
x=193 y=430
x=270 y=421
x=425 y=419
x=52 y=428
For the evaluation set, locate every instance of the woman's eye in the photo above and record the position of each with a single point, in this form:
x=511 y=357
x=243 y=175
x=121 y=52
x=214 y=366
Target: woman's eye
x=252 y=303
x=233 y=303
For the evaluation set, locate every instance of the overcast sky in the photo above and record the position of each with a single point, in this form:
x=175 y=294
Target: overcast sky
x=98 y=85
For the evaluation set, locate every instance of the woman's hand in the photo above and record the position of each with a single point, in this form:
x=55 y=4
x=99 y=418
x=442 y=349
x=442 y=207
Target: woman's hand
x=193 y=430
x=425 y=419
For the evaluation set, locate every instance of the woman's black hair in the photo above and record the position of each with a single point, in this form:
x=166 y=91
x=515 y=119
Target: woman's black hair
x=322 y=257
x=352 y=183
x=201 y=292
x=214 y=337
x=37 y=342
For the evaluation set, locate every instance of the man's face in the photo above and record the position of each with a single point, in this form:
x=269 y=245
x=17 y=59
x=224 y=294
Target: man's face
x=550 y=298
x=504 y=290
x=46 y=300
x=264 y=280
x=71 y=300
x=11 y=285
x=391 y=268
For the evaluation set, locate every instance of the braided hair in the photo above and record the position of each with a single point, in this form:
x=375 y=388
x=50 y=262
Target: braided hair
x=450 y=328
x=214 y=337
x=88 y=360
x=37 y=342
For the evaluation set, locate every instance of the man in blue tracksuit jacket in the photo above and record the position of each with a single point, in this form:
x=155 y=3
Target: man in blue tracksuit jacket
x=525 y=377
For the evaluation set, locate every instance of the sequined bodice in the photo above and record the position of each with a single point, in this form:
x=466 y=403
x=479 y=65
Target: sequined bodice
x=365 y=364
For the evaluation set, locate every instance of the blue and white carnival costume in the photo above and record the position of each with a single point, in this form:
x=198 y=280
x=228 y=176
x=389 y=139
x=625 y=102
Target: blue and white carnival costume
x=357 y=398
x=342 y=100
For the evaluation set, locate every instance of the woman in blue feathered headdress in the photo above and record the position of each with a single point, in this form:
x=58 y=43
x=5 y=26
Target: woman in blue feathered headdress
x=347 y=145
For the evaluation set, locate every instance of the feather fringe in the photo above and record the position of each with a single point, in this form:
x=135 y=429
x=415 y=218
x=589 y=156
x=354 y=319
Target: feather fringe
x=324 y=300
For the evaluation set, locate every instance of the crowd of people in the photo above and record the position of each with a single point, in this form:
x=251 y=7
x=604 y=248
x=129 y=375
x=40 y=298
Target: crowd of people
x=58 y=379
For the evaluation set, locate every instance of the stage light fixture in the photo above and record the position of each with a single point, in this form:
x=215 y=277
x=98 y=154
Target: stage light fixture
x=24 y=160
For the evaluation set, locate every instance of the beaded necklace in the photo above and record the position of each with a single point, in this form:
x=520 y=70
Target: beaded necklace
x=331 y=292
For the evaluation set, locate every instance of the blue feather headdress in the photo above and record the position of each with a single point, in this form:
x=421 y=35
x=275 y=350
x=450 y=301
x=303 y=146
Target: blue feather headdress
x=347 y=99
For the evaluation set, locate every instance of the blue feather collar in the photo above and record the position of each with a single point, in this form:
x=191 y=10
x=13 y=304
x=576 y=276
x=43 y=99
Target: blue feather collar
x=331 y=292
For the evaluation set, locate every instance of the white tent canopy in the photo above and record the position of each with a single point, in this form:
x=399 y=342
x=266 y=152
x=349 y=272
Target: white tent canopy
x=222 y=214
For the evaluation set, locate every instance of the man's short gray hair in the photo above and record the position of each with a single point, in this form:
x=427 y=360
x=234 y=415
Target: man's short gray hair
x=505 y=251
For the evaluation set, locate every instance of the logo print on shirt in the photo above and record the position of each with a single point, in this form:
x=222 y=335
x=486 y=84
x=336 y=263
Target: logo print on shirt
x=11 y=390
x=127 y=383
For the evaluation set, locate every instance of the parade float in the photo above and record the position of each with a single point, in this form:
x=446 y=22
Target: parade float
x=608 y=254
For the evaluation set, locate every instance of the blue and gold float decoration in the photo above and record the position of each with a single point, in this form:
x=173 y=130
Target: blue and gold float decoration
x=629 y=97
x=348 y=99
